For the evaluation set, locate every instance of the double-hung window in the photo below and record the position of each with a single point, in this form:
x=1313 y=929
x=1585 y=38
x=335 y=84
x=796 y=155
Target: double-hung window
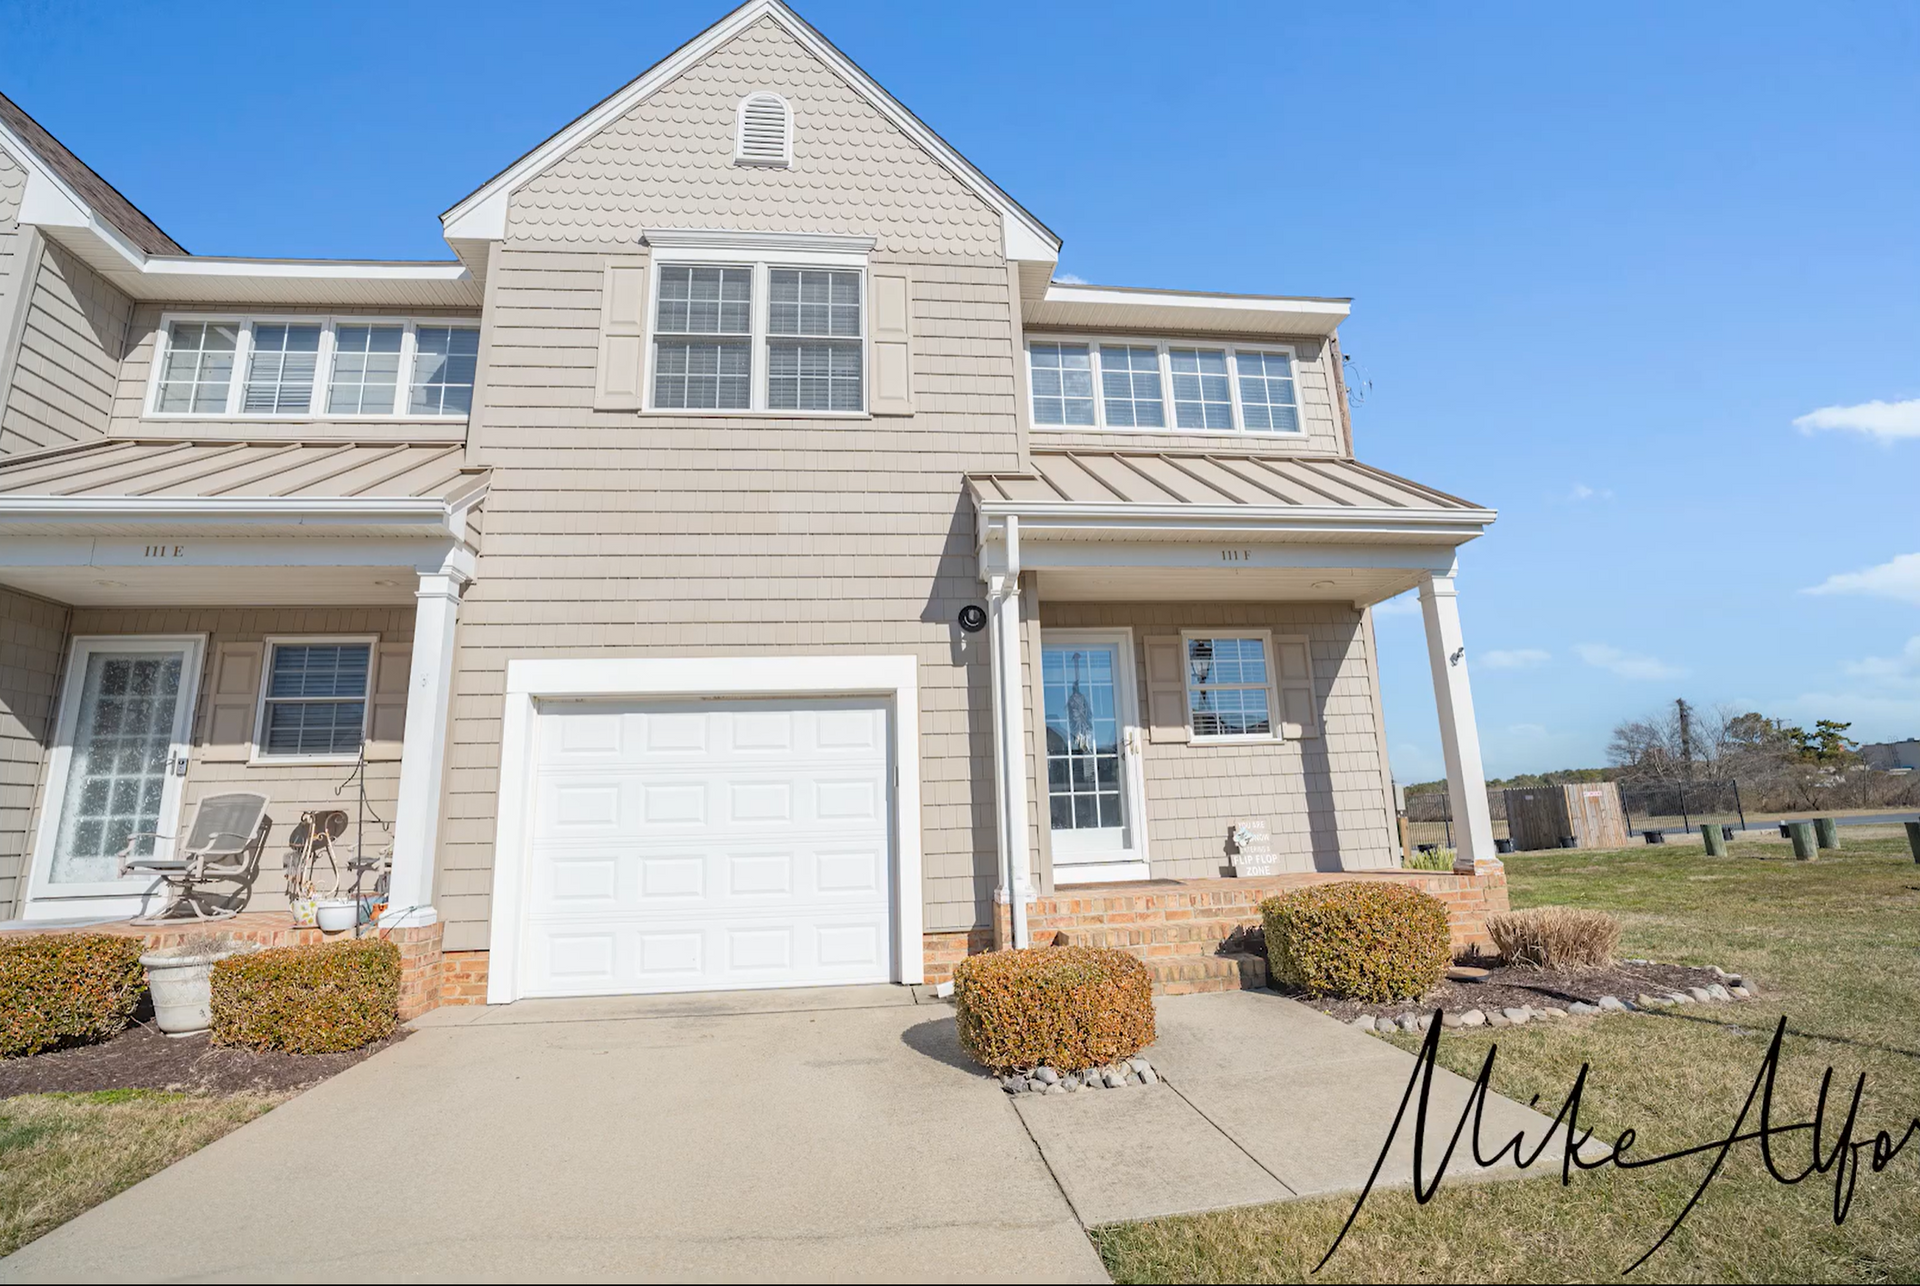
x=703 y=338
x=759 y=337
x=313 y=700
x=1136 y=384
x=1229 y=685
x=327 y=367
x=813 y=339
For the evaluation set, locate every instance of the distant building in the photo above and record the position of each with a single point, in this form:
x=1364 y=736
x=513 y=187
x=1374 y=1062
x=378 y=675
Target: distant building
x=1892 y=755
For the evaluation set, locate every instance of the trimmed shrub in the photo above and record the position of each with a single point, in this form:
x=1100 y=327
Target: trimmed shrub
x=1358 y=939
x=1066 y=1007
x=308 y=1000
x=66 y=989
x=1555 y=937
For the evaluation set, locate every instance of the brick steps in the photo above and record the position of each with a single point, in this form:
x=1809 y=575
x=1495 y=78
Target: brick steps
x=1190 y=975
x=1176 y=937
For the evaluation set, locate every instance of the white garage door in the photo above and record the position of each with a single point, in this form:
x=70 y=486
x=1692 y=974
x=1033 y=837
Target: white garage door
x=702 y=845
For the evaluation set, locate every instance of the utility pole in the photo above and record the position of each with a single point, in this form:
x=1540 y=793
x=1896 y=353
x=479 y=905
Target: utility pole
x=1686 y=736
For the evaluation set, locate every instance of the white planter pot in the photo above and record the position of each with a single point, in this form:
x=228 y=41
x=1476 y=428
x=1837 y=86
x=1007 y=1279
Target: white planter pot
x=336 y=915
x=182 y=990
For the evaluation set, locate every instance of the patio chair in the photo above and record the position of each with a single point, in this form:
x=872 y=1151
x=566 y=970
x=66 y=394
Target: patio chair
x=229 y=834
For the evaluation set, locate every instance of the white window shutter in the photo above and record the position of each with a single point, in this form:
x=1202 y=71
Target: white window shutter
x=1293 y=667
x=387 y=719
x=892 y=344
x=619 y=380
x=1166 y=688
x=232 y=701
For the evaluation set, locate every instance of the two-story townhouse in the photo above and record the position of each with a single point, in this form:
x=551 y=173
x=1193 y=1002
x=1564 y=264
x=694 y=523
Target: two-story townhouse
x=741 y=566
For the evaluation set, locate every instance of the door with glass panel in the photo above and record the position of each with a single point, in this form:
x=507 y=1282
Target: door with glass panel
x=126 y=711
x=1087 y=695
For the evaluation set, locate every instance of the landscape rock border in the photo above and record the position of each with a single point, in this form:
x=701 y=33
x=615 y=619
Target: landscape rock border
x=1732 y=987
x=1048 y=1080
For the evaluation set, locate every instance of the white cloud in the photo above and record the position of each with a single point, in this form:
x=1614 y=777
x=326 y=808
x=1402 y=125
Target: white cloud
x=1068 y=279
x=1627 y=665
x=1519 y=658
x=1902 y=670
x=1581 y=491
x=1883 y=420
x=1898 y=579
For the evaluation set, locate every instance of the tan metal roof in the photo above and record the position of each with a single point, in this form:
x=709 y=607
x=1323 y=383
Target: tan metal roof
x=193 y=469
x=1208 y=479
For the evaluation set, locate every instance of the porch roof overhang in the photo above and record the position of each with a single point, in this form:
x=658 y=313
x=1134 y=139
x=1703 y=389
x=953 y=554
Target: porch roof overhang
x=1130 y=525
x=163 y=523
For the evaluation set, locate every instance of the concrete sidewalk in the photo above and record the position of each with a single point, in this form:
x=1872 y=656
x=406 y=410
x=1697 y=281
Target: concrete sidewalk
x=1263 y=1099
x=772 y=1136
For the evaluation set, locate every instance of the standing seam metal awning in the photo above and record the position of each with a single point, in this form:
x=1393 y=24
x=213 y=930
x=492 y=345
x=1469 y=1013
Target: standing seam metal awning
x=1208 y=479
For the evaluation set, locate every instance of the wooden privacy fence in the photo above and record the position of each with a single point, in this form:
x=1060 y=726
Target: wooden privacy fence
x=1580 y=815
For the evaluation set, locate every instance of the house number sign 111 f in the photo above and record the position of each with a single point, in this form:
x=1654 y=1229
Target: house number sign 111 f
x=1236 y=555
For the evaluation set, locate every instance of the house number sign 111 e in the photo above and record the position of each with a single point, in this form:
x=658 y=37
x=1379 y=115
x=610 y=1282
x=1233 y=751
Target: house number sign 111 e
x=165 y=551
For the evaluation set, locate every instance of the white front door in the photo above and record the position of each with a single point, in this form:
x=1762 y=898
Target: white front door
x=119 y=760
x=1087 y=697
x=709 y=845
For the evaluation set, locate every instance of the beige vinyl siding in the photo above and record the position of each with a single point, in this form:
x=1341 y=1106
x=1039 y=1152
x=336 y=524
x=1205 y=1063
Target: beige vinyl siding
x=1314 y=387
x=13 y=186
x=130 y=395
x=292 y=788
x=615 y=533
x=72 y=337
x=669 y=164
x=1322 y=797
x=33 y=634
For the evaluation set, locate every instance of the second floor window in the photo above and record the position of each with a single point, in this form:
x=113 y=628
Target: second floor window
x=314 y=368
x=1142 y=385
x=759 y=337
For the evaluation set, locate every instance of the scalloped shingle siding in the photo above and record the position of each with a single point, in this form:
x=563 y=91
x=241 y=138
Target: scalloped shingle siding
x=669 y=164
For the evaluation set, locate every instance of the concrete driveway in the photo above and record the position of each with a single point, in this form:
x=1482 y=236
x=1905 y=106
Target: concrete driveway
x=784 y=1135
x=760 y=1136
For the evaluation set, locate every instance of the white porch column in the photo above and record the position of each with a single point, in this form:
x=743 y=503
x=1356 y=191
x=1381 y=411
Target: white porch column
x=1009 y=738
x=423 y=753
x=1459 y=736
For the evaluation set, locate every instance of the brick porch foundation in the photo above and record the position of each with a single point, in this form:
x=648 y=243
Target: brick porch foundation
x=1189 y=932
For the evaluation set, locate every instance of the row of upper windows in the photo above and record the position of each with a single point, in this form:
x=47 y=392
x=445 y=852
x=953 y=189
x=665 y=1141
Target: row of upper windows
x=1131 y=384
x=334 y=367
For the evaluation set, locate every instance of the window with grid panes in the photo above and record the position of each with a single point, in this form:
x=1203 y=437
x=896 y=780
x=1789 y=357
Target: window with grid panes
x=1062 y=378
x=199 y=367
x=1267 y=399
x=1130 y=387
x=286 y=357
x=813 y=340
x=316 y=699
x=1228 y=687
x=445 y=360
x=703 y=338
x=1202 y=396
x=366 y=370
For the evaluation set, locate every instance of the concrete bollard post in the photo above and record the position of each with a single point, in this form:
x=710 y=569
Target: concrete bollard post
x=1804 y=846
x=1716 y=839
x=1827 y=832
x=1913 y=840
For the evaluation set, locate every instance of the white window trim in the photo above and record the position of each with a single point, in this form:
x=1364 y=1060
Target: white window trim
x=1165 y=347
x=740 y=156
x=257 y=755
x=1273 y=686
x=530 y=681
x=758 y=339
x=323 y=370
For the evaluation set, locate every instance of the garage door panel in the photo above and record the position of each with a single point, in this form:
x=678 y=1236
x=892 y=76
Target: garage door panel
x=703 y=845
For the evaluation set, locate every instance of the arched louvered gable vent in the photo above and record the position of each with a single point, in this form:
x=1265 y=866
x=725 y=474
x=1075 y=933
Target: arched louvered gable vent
x=765 y=134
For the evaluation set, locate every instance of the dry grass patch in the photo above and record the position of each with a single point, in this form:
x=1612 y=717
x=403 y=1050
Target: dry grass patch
x=62 y=1154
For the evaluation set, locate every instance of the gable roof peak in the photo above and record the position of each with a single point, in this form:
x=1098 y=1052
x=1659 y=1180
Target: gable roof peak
x=482 y=214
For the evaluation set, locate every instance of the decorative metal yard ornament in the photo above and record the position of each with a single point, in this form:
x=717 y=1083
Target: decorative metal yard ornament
x=1079 y=711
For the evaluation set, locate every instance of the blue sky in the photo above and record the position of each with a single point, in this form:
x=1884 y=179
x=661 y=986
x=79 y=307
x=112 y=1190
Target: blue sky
x=1603 y=259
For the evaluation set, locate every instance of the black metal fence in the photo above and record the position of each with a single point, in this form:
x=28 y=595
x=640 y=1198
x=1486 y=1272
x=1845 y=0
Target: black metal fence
x=1653 y=805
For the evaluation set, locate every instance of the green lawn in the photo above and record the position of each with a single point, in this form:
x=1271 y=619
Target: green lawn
x=61 y=1154
x=1834 y=945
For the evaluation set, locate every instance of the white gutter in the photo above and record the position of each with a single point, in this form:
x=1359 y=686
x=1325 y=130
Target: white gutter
x=1455 y=525
x=328 y=512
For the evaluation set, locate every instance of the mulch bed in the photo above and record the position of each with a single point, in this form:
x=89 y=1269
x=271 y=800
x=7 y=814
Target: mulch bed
x=142 y=1058
x=1507 y=987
